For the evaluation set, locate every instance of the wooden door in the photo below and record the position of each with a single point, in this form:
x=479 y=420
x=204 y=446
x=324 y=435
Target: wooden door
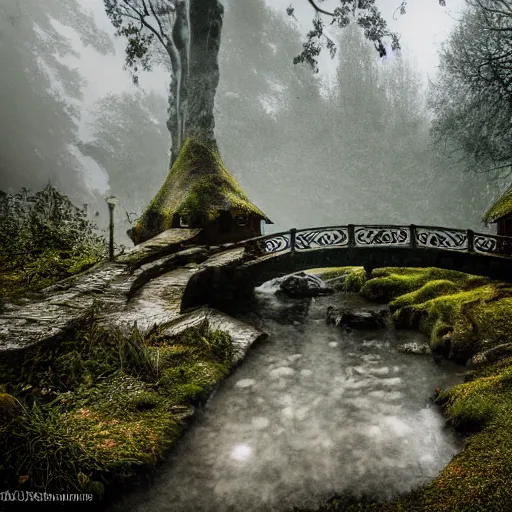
x=507 y=226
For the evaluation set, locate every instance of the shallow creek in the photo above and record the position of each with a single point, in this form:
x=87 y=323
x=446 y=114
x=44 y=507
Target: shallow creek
x=312 y=411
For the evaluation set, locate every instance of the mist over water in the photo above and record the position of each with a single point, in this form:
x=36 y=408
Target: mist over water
x=312 y=411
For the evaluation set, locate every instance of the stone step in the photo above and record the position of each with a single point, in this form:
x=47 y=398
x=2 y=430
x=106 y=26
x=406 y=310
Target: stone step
x=148 y=295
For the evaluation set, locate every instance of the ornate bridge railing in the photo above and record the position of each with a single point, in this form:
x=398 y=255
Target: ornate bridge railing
x=424 y=237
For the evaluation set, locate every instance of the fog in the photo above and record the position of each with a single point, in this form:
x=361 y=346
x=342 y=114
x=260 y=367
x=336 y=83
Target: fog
x=349 y=145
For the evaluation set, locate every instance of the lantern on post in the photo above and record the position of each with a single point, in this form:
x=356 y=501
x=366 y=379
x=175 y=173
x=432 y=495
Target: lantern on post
x=112 y=202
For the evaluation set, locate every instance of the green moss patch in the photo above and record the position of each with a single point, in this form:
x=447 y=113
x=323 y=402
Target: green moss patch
x=49 y=267
x=389 y=283
x=428 y=291
x=102 y=405
x=354 y=277
x=333 y=272
x=502 y=207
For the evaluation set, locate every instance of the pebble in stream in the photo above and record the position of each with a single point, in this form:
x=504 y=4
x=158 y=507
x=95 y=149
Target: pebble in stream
x=312 y=411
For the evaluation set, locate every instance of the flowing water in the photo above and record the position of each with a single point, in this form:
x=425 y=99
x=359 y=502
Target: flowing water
x=312 y=411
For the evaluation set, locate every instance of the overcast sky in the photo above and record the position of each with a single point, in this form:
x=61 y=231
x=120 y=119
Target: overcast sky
x=422 y=29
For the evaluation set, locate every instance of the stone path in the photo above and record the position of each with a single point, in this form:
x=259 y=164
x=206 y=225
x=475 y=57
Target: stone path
x=31 y=322
x=159 y=301
x=144 y=286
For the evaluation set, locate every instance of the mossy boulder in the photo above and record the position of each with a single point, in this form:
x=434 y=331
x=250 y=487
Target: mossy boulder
x=428 y=291
x=302 y=285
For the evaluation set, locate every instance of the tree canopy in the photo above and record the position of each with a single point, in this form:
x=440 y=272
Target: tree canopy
x=364 y=12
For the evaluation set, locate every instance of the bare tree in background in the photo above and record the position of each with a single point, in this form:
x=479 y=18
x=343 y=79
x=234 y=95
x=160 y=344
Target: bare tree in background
x=472 y=99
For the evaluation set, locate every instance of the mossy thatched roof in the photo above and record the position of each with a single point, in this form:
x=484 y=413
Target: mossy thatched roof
x=197 y=182
x=502 y=207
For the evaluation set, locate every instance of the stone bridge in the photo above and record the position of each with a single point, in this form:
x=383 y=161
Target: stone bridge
x=160 y=280
x=370 y=246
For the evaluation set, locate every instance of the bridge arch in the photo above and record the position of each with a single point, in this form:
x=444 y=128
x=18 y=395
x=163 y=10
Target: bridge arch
x=371 y=247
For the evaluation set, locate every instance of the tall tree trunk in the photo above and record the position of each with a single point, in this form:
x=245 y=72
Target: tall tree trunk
x=173 y=124
x=192 y=99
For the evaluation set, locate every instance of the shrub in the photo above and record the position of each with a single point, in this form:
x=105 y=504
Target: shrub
x=44 y=238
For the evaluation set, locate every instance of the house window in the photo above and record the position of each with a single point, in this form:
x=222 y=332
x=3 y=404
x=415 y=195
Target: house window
x=241 y=219
x=184 y=221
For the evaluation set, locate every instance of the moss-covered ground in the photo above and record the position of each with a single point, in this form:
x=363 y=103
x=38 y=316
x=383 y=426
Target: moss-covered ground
x=468 y=319
x=102 y=405
x=47 y=268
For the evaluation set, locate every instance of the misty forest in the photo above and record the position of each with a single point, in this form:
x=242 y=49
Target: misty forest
x=256 y=255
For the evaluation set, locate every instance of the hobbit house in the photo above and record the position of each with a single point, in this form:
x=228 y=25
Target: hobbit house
x=199 y=193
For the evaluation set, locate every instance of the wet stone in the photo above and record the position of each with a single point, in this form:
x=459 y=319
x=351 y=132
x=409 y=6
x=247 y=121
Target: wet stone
x=357 y=318
x=301 y=285
x=415 y=348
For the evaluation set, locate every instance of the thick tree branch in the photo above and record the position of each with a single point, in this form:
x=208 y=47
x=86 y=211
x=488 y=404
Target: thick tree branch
x=160 y=27
x=145 y=8
x=321 y=11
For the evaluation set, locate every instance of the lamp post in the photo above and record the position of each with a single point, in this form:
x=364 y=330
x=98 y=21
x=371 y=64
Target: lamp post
x=111 y=201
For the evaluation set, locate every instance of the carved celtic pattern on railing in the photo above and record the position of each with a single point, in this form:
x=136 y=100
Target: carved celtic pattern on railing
x=379 y=236
x=490 y=244
x=277 y=243
x=314 y=239
x=442 y=238
x=367 y=235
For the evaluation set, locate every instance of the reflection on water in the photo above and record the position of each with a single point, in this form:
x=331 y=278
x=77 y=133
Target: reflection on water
x=313 y=411
x=241 y=452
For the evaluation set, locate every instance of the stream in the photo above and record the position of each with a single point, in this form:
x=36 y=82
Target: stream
x=312 y=411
